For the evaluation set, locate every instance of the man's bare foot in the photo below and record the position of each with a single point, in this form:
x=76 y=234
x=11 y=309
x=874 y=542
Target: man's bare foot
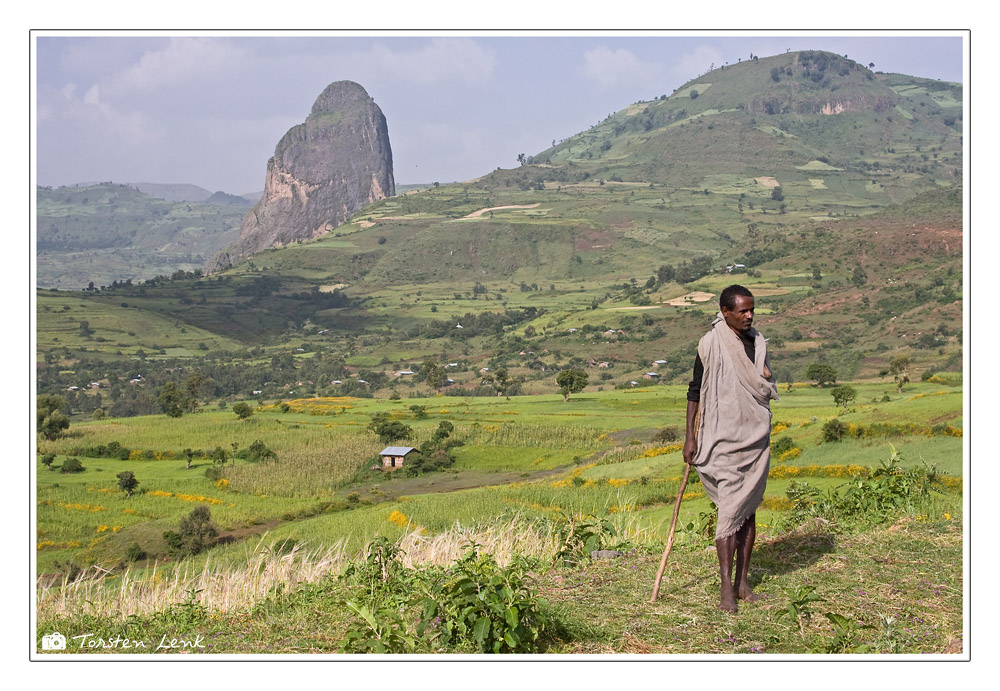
x=743 y=592
x=728 y=603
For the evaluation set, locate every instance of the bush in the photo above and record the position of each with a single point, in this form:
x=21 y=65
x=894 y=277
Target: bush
x=834 y=430
x=195 y=533
x=214 y=473
x=667 y=434
x=72 y=465
x=475 y=605
x=782 y=445
x=482 y=605
x=866 y=501
x=134 y=552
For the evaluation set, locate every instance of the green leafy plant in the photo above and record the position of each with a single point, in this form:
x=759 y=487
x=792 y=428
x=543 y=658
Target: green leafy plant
x=864 y=501
x=799 y=607
x=845 y=640
x=381 y=631
x=580 y=535
x=477 y=603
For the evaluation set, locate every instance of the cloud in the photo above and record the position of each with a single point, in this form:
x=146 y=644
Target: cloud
x=443 y=60
x=615 y=68
x=181 y=61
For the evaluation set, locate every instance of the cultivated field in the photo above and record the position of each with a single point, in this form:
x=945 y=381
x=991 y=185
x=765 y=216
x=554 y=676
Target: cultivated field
x=528 y=465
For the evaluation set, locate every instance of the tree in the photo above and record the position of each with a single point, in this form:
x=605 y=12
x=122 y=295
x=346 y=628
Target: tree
x=434 y=374
x=127 y=482
x=172 y=400
x=499 y=380
x=859 y=277
x=821 y=373
x=388 y=430
x=50 y=416
x=899 y=368
x=243 y=410
x=842 y=395
x=571 y=381
x=777 y=195
x=194 y=385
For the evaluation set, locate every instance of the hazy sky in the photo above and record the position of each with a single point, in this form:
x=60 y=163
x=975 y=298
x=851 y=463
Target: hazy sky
x=208 y=110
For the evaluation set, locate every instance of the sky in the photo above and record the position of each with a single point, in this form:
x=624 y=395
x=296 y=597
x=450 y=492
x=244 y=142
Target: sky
x=209 y=109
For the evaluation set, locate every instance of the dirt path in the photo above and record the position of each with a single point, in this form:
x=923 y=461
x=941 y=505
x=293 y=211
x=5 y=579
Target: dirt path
x=476 y=214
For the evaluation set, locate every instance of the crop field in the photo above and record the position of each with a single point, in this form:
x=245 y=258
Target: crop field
x=536 y=457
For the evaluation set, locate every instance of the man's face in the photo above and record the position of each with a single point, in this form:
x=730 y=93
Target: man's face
x=740 y=318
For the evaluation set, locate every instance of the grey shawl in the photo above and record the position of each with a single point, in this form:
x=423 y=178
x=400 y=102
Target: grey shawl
x=735 y=424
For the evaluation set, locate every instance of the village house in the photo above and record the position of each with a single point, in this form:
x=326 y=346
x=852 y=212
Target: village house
x=404 y=372
x=394 y=456
x=651 y=375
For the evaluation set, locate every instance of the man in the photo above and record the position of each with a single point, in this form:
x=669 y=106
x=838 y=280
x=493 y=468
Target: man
x=731 y=390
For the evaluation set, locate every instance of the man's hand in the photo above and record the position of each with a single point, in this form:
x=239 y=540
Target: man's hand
x=690 y=450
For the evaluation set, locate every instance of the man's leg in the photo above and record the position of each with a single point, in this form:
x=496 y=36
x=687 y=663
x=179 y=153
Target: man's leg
x=745 y=537
x=725 y=547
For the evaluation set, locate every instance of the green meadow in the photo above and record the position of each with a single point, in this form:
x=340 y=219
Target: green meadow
x=533 y=454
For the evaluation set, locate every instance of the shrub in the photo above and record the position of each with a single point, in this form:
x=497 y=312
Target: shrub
x=869 y=498
x=72 y=465
x=833 y=430
x=134 y=552
x=195 y=533
x=782 y=445
x=214 y=473
x=483 y=605
x=667 y=434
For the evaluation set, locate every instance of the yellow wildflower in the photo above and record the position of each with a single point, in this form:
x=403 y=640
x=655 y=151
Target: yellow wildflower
x=399 y=518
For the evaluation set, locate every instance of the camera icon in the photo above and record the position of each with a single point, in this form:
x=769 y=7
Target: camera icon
x=54 y=641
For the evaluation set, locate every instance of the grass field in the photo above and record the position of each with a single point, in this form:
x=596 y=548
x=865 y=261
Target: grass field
x=532 y=461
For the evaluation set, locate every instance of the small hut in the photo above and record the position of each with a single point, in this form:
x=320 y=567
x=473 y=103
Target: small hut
x=394 y=456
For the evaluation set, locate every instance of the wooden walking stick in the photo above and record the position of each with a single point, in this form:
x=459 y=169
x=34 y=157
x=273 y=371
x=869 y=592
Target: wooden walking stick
x=670 y=537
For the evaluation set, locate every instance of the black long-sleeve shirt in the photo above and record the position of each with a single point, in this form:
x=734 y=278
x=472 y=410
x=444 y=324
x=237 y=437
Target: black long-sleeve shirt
x=694 y=388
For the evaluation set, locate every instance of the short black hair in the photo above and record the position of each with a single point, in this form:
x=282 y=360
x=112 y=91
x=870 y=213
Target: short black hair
x=727 y=300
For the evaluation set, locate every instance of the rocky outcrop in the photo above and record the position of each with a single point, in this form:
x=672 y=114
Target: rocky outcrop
x=336 y=162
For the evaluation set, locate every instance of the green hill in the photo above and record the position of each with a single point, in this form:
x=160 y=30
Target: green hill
x=604 y=253
x=107 y=232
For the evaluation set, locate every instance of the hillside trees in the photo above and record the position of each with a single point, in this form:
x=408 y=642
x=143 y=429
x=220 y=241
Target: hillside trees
x=50 y=416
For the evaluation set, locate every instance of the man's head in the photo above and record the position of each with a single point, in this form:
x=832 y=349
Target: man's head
x=736 y=303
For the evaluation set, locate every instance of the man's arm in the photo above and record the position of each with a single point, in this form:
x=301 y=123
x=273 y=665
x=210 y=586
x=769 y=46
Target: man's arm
x=690 y=442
